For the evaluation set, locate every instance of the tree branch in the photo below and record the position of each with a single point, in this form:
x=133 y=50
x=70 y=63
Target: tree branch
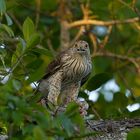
x=110 y=129
x=102 y=23
x=106 y=38
x=51 y=47
x=122 y=57
x=64 y=14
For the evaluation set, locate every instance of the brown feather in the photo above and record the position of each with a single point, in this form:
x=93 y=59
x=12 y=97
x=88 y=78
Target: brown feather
x=83 y=81
x=54 y=66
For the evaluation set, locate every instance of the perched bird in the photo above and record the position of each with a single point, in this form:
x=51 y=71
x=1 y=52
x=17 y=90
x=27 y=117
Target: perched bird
x=66 y=74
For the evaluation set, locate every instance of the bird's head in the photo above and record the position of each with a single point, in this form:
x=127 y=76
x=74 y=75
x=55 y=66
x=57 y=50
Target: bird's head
x=81 y=47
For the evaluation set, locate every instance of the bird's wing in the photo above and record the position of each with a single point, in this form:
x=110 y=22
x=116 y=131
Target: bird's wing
x=54 y=66
x=83 y=81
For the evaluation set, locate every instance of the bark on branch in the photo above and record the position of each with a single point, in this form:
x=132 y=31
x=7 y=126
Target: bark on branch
x=134 y=61
x=112 y=129
x=102 y=23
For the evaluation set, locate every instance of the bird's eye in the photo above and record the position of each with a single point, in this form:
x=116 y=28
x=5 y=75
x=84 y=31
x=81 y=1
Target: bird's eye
x=78 y=49
x=76 y=45
x=86 y=45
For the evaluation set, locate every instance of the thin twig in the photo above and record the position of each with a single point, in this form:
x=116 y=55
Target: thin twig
x=19 y=59
x=122 y=57
x=125 y=4
x=15 y=20
x=38 y=3
x=3 y=62
x=64 y=15
x=29 y=7
x=106 y=38
x=102 y=23
x=51 y=47
x=132 y=6
x=126 y=84
x=96 y=113
x=94 y=42
x=137 y=25
x=78 y=35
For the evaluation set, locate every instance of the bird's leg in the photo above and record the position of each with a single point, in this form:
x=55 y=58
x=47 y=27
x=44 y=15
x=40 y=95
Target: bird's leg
x=68 y=94
x=50 y=89
x=54 y=88
x=71 y=93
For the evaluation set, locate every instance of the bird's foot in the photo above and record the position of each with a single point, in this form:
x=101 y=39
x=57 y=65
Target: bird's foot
x=49 y=106
x=83 y=107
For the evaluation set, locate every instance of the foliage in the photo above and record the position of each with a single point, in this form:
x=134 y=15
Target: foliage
x=134 y=134
x=29 y=38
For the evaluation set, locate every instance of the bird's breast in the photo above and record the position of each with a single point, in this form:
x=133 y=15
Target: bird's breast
x=75 y=69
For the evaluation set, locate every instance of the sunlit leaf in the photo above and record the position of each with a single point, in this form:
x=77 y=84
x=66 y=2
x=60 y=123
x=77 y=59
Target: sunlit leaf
x=28 y=29
x=33 y=41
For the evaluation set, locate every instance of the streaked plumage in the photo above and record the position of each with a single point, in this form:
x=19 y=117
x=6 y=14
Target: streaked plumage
x=66 y=74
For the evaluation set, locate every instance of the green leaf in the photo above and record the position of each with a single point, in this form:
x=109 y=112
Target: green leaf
x=3 y=52
x=73 y=113
x=27 y=129
x=29 y=138
x=17 y=117
x=34 y=40
x=16 y=84
x=18 y=53
x=123 y=100
x=28 y=29
x=83 y=95
x=71 y=109
x=39 y=134
x=98 y=80
x=134 y=134
x=66 y=124
x=52 y=4
x=38 y=74
x=8 y=19
x=7 y=29
x=2 y=6
x=43 y=51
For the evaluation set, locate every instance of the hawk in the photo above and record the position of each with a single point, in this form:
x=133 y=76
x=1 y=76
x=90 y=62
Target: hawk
x=66 y=74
